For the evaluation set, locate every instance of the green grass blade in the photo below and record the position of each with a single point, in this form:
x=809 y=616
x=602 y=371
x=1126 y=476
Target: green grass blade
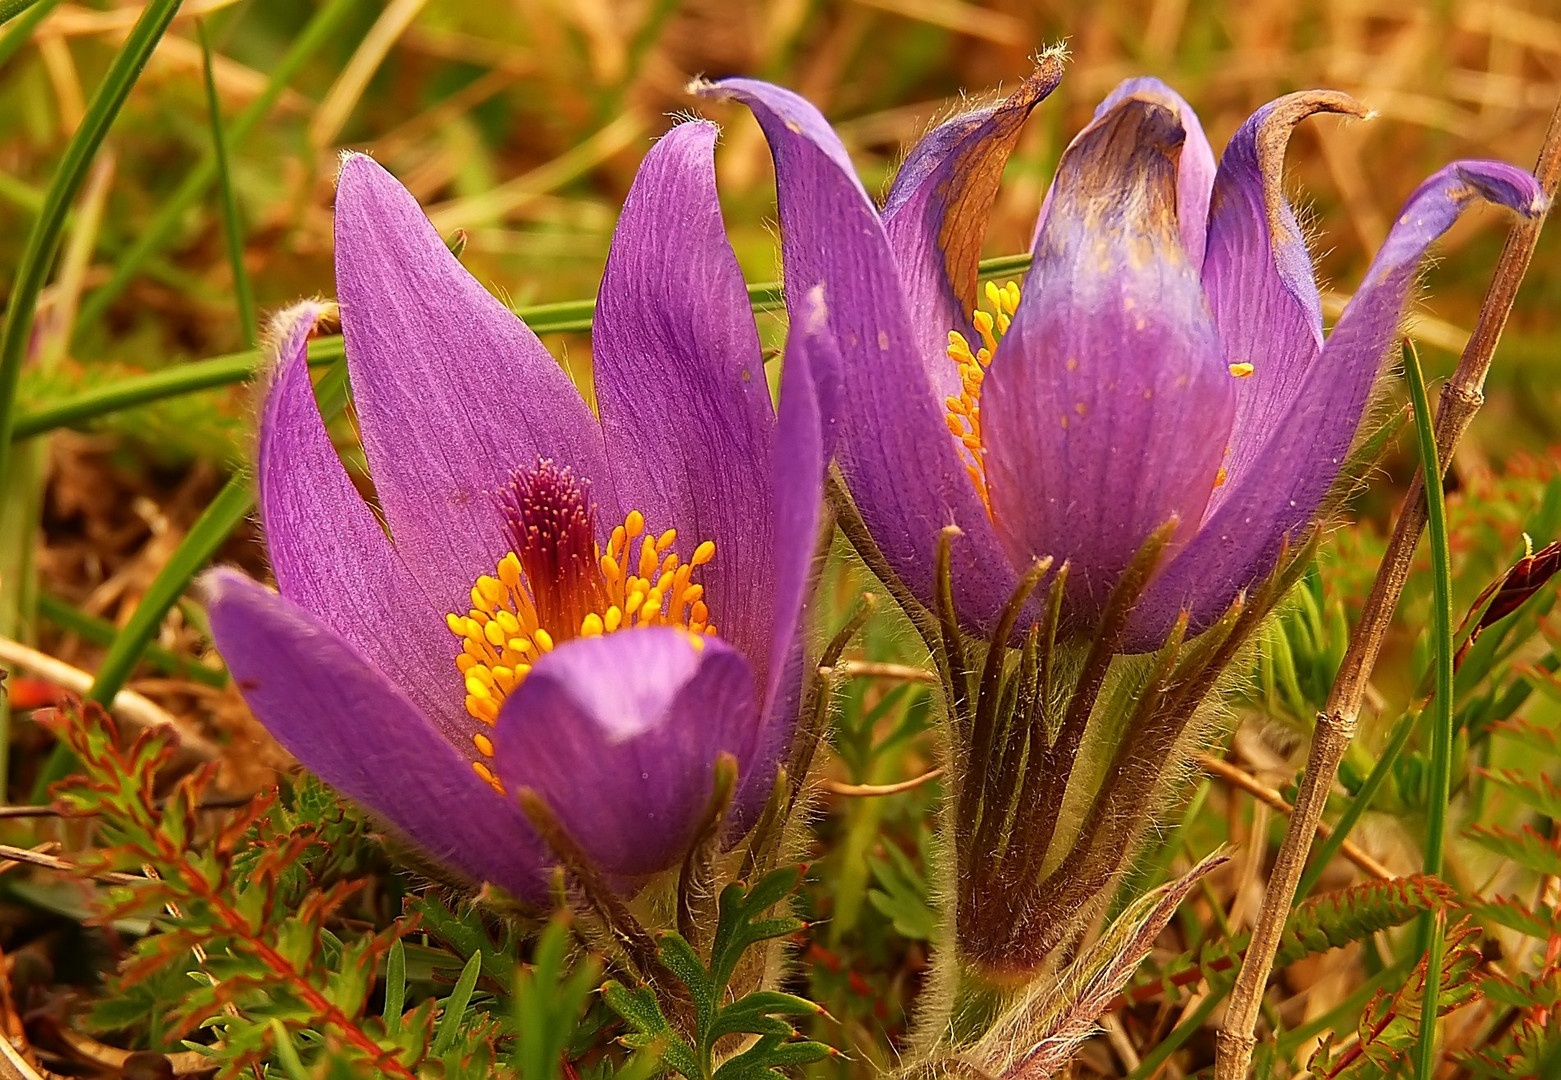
x=1439 y=782
x=569 y=316
x=163 y=228
x=28 y=14
x=43 y=242
x=395 y=987
x=455 y=1005
x=233 y=228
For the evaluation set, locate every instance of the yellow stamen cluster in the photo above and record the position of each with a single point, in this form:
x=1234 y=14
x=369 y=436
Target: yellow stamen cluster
x=964 y=409
x=637 y=581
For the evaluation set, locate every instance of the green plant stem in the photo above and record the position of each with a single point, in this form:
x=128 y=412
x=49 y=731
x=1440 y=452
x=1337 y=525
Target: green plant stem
x=216 y=523
x=1439 y=785
x=43 y=241
x=1326 y=851
x=154 y=237
x=233 y=229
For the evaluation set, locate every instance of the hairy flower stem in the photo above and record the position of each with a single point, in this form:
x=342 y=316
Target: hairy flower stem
x=1461 y=398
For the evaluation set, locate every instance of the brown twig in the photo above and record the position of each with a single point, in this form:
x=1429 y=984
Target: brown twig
x=871 y=669
x=54 y=862
x=1460 y=399
x=133 y=708
x=835 y=787
x=1238 y=777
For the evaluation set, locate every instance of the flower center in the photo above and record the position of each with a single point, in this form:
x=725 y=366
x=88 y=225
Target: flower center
x=963 y=413
x=556 y=583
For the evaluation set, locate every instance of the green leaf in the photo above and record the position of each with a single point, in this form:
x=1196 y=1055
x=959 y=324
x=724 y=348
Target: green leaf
x=455 y=1005
x=287 y=1053
x=638 y=1006
x=1528 y=847
x=395 y=987
x=902 y=895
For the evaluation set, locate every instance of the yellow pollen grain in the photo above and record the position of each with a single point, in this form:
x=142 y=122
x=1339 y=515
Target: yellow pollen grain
x=1242 y=370
x=1220 y=477
x=962 y=411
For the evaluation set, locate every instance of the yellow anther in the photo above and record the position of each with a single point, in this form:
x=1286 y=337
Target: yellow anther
x=703 y=553
x=487 y=774
x=483 y=743
x=962 y=411
x=509 y=571
x=613 y=618
x=474 y=684
x=456 y=624
x=592 y=626
x=666 y=540
x=634 y=524
x=543 y=639
x=1242 y=370
x=504 y=679
x=494 y=633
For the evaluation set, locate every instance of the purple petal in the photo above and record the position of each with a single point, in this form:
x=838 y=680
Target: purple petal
x=452 y=390
x=322 y=699
x=329 y=553
x=1240 y=542
x=936 y=215
x=1194 y=168
x=799 y=489
x=889 y=432
x=1106 y=408
x=680 y=381
x=620 y=735
x=1257 y=274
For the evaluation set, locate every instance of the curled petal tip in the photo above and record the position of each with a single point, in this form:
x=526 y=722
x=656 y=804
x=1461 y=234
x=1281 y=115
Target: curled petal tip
x=1506 y=185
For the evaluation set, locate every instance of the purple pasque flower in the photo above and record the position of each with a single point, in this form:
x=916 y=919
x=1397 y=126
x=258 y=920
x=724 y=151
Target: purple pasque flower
x=1165 y=358
x=594 y=609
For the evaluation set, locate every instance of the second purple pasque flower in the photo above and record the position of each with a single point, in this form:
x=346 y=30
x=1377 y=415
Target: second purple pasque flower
x=1164 y=360
x=597 y=609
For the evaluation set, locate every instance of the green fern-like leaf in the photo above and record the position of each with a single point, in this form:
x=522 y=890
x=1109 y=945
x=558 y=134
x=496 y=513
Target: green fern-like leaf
x=1527 y=847
x=1390 y=1023
x=745 y=921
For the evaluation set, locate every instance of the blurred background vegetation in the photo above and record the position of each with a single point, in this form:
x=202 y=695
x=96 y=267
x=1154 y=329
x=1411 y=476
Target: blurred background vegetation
x=521 y=122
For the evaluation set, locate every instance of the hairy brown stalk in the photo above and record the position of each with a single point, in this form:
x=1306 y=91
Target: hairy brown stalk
x=1460 y=399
